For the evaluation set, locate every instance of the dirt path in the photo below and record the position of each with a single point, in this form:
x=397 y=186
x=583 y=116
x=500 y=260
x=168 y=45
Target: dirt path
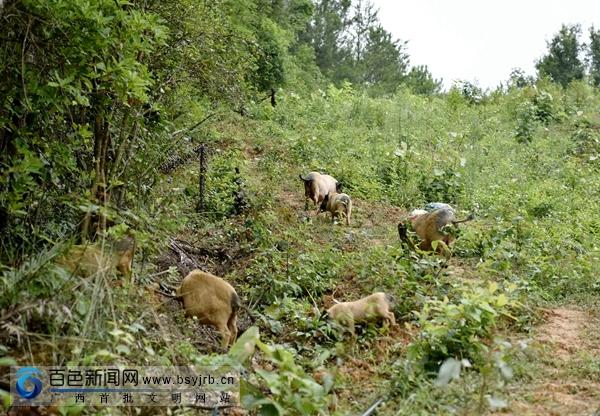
x=569 y=376
x=563 y=331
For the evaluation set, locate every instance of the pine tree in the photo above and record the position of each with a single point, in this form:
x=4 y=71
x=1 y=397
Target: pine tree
x=327 y=33
x=421 y=81
x=385 y=62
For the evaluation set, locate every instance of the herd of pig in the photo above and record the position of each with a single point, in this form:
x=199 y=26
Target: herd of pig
x=215 y=302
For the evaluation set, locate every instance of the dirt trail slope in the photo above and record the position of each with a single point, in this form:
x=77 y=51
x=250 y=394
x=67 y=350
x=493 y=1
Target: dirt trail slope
x=567 y=384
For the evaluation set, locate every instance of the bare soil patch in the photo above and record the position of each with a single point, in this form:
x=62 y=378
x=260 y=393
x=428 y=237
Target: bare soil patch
x=563 y=331
x=563 y=339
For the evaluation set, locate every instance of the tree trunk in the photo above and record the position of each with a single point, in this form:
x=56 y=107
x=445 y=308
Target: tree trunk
x=99 y=191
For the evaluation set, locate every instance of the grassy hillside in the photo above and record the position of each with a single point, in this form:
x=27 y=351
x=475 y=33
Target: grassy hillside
x=516 y=307
x=534 y=239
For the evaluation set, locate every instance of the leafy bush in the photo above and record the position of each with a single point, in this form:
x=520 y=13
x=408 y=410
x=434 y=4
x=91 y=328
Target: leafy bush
x=292 y=391
x=220 y=182
x=463 y=329
x=586 y=140
x=445 y=185
x=54 y=123
x=526 y=122
x=471 y=92
x=545 y=107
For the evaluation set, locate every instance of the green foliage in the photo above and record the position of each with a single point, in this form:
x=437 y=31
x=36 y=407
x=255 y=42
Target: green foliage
x=562 y=63
x=518 y=79
x=384 y=62
x=278 y=274
x=586 y=140
x=124 y=77
x=351 y=46
x=545 y=107
x=207 y=56
x=220 y=182
x=421 y=81
x=527 y=122
x=152 y=81
x=594 y=56
x=52 y=121
x=326 y=33
x=16 y=281
x=42 y=297
x=471 y=92
x=292 y=391
x=444 y=185
x=537 y=106
x=269 y=72
x=460 y=330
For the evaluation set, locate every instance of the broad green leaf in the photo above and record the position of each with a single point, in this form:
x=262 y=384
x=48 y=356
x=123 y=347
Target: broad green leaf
x=245 y=345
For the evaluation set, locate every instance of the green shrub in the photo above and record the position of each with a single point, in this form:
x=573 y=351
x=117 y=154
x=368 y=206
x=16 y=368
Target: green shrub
x=546 y=109
x=445 y=185
x=527 y=122
x=586 y=141
x=462 y=329
x=291 y=390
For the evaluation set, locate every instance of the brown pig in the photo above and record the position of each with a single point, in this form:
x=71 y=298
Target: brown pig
x=339 y=205
x=372 y=307
x=213 y=301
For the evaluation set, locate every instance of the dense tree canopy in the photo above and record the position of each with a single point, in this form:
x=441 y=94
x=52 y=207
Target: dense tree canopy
x=74 y=83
